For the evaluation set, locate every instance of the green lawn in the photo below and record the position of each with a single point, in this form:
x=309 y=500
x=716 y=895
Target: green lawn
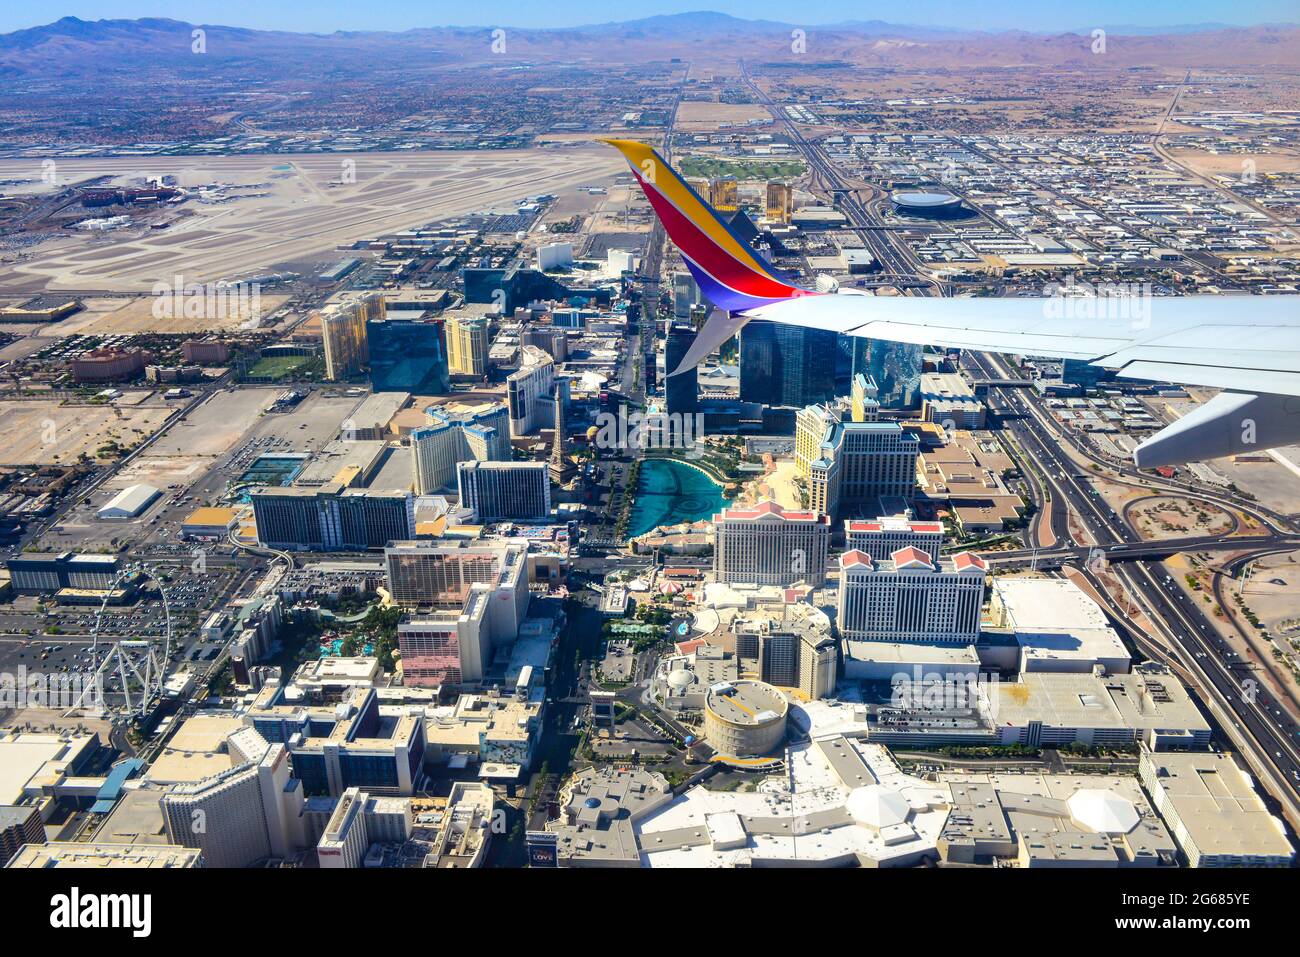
x=277 y=367
x=741 y=169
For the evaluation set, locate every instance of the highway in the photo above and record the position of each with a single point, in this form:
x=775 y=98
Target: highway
x=1262 y=729
x=1142 y=550
x=1124 y=472
x=896 y=265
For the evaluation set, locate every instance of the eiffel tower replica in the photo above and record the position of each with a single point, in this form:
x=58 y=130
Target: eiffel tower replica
x=560 y=468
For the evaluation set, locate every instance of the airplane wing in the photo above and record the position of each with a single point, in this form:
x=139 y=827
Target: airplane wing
x=1244 y=343
x=1248 y=346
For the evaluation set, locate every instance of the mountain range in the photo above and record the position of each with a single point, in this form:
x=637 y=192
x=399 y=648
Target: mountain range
x=72 y=47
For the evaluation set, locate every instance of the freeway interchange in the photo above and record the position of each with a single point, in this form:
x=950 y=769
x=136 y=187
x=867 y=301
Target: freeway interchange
x=1262 y=728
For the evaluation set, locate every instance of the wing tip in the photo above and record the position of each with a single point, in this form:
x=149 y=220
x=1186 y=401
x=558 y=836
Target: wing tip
x=631 y=149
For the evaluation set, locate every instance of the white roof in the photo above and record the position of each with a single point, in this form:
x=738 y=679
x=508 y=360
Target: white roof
x=1103 y=811
x=726 y=831
x=1033 y=604
x=877 y=806
x=131 y=500
x=681 y=678
x=1055 y=620
x=799 y=817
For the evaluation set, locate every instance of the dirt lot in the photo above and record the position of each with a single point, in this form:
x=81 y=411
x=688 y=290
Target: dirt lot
x=1273 y=593
x=1176 y=517
x=113 y=317
x=1230 y=164
x=695 y=115
x=50 y=431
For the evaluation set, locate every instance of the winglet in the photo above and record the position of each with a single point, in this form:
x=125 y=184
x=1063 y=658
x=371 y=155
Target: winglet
x=729 y=273
x=718 y=328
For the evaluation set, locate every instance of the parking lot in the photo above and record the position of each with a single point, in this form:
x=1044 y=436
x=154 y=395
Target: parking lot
x=196 y=461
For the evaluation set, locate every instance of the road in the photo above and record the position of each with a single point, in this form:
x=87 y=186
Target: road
x=826 y=178
x=897 y=262
x=1141 y=550
x=1262 y=729
x=1018 y=405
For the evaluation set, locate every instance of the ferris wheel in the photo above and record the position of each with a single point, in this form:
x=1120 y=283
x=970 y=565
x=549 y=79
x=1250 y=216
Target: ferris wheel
x=139 y=665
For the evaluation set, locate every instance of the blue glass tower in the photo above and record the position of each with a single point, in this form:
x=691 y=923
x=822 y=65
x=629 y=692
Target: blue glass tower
x=787 y=365
x=681 y=392
x=896 y=367
x=408 y=355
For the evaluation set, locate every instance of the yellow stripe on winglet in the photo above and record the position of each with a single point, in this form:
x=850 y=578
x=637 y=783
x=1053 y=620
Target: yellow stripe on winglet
x=640 y=155
x=657 y=172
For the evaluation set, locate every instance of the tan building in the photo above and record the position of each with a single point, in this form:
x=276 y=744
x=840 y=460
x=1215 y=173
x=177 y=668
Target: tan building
x=19 y=825
x=966 y=476
x=343 y=332
x=41 y=309
x=864 y=395
x=1149 y=705
x=812 y=425
x=1213 y=810
x=700 y=184
x=210 y=352
x=780 y=201
x=209 y=523
x=724 y=194
x=948 y=400
x=745 y=718
x=100 y=855
x=883 y=536
x=109 y=364
x=818 y=663
x=767 y=545
x=467 y=346
x=911 y=598
x=1041 y=820
x=788 y=645
x=853 y=462
x=601 y=807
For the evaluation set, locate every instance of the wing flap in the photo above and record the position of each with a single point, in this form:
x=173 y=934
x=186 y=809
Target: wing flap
x=979 y=340
x=1257 y=381
x=1019 y=326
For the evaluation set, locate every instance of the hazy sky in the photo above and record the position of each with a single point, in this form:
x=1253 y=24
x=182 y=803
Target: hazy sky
x=326 y=16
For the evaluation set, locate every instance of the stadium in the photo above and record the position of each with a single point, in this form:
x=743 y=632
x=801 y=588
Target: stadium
x=930 y=205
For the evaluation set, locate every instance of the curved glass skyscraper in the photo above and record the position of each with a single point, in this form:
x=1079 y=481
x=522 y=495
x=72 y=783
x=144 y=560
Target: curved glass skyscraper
x=786 y=365
x=896 y=368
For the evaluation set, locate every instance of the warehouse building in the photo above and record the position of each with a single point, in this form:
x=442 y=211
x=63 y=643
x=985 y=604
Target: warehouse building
x=35 y=573
x=1214 y=811
x=128 y=503
x=1057 y=627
